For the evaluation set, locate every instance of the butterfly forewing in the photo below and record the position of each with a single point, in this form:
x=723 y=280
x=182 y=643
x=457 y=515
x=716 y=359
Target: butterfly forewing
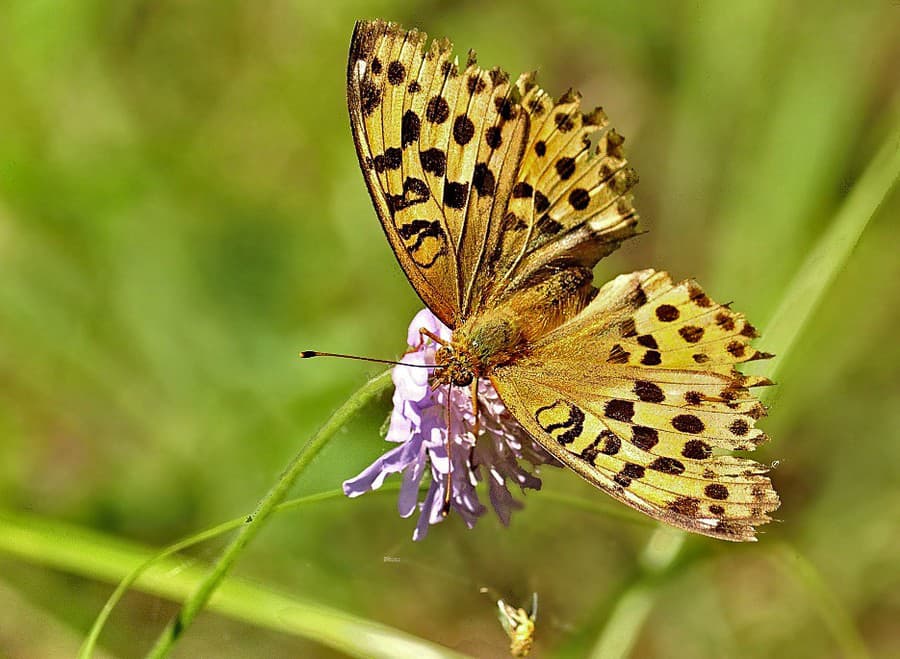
x=481 y=186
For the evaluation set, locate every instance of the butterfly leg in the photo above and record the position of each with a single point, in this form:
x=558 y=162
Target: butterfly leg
x=431 y=335
x=445 y=509
x=474 y=392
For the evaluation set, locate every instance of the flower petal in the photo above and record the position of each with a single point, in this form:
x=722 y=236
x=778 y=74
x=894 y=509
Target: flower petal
x=392 y=462
x=425 y=518
x=502 y=501
x=426 y=319
x=409 y=490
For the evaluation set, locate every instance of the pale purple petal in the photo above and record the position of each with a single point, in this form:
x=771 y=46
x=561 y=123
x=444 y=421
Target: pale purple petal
x=411 y=383
x=392 y=462
x=370 y=478
x=423 y=319
x=425 y=518
x=409 y=490
x=502 y=500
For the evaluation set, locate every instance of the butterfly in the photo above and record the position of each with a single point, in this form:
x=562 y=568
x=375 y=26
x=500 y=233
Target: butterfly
x=498 y=201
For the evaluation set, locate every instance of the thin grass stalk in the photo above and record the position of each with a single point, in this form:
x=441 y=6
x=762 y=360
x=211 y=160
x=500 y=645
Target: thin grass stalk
x=90 y=642
x=200 y=597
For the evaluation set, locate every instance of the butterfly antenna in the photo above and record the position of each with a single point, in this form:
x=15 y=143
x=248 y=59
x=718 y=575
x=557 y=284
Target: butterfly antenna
x=306 y=354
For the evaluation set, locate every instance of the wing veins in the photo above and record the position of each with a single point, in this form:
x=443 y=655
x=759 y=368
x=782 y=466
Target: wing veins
x=487 y=234
x=507 y=276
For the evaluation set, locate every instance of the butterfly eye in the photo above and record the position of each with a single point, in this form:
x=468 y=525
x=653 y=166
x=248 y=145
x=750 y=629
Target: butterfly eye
x=443 y=354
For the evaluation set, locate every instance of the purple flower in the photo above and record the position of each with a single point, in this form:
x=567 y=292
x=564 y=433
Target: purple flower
x=419 y=425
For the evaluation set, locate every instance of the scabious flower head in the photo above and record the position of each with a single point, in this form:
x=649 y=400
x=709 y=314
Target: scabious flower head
x=419 y=424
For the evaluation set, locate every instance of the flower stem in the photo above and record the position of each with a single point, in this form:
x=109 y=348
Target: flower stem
x=90 y=642
x=56 y=545
x=198 y=599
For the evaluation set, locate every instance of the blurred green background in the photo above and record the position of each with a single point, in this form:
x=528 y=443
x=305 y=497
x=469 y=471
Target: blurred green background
x=181 y=212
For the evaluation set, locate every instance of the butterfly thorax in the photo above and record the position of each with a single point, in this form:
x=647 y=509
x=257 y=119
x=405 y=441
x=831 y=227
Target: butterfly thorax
x=481 y=344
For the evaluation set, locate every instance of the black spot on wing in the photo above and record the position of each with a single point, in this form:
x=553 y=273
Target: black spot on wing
x=369 y=96
x=494 y=137
x=620 y=410
x=648 y=392
x=651 y=358
x=409 y=128
x=696 y=449
x=667 y=313
x=522 y=190
x=396 y=72
x=415 y=191
x=483 y=180
x=434 y=161
x=455 y=194
x=463 y=130
x=438 y=110
x=579 y=199
x=716 y=491
x=688 y=423
x=667 y=465
x=565 y=167
x=644 y=438
x=546 y=225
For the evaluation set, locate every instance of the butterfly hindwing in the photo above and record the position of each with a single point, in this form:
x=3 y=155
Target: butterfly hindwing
x=651 y=435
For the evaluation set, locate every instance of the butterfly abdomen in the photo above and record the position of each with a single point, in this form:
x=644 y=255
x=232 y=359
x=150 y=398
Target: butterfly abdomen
x=551 y=297
x=501 y=335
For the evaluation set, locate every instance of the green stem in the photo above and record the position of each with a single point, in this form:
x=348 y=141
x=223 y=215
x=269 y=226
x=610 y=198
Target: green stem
x=199 y=598
x=799 y=303
x=129 y=581
x=90 y=643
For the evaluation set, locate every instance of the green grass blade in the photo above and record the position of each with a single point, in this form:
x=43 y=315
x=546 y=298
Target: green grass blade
x=132 y=578
x=632 y=608
x=72 y=549
x=829 y=256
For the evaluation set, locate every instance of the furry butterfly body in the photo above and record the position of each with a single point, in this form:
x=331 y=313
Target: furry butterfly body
x=498 y=201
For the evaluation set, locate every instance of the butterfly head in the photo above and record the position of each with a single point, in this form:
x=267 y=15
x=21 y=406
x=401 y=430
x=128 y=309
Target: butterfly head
x=478 y=347
x=459 y=366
